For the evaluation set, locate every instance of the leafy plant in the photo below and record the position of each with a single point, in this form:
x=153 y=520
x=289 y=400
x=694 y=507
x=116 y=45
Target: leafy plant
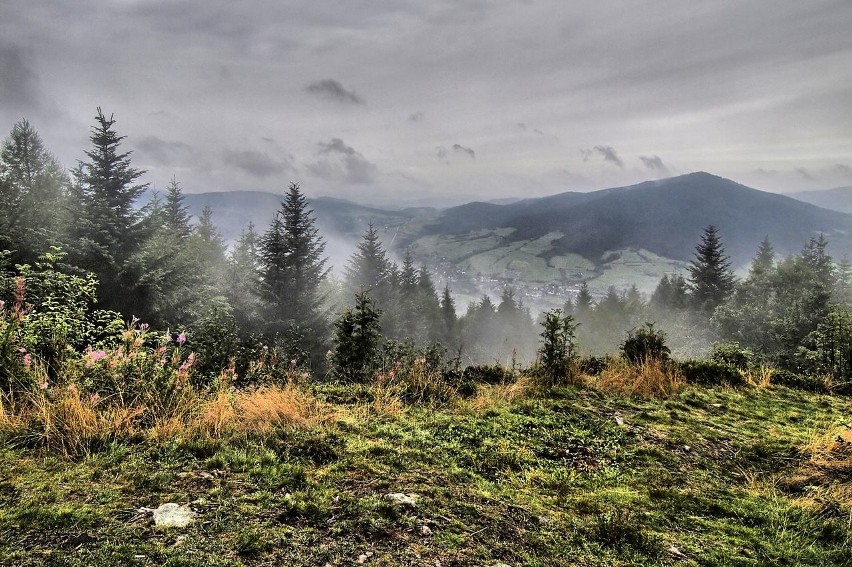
x=645 y=343
x=559 y=348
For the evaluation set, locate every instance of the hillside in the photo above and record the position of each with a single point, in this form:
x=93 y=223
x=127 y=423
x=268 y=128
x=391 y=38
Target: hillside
x=665 y=217
x=839 y=199
x=350 y=475
x=233 y=210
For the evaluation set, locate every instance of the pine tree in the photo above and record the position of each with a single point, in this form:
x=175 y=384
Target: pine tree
x=33 y=195
x=175 y=215
x=107 y=225
x=293 y=268
x=242 y=291
x=763 y=261
x=711 y=279
x=369 y=268
x=449 y=318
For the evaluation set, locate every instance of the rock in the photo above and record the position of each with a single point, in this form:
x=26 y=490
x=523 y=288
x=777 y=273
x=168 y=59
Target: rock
x=364 y=557
x=425 y=531
x=676 y=552
x=619 y=420
x=171 y=515
x=403 y=500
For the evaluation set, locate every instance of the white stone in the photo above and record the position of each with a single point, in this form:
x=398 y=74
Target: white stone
x=171 y=515
x=403 y=500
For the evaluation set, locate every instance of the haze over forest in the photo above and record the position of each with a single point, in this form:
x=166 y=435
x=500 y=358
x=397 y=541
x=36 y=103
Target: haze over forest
x=406 y=103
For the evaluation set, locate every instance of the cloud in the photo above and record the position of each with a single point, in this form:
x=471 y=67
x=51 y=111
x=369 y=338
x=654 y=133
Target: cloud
x=343 y=163
x=609 y=154
x=19 y=87
x=257 y=164
x=333 y=90
x=415 y=117
x=162 y=152
x=441 y=152
x=654 y=163
x=805 y=174
x=468 y=151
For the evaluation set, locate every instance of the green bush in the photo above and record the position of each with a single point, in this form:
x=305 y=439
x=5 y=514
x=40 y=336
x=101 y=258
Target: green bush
x=592 y=365
x=645 y=343
x=559 y=348
x=357 y=336
x=809 y=383
x=711 y=373
x=733 y=354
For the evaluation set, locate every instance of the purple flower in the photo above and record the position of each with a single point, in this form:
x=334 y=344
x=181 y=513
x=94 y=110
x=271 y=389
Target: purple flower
x=181 y=338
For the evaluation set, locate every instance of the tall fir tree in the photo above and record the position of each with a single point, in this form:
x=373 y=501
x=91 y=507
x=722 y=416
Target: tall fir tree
x=711 y=280
x=293 y=269
x=33 y=195
x=107 y=225
x=243 y=281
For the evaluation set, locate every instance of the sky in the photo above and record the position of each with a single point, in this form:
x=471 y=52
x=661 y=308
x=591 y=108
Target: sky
x=408 y=102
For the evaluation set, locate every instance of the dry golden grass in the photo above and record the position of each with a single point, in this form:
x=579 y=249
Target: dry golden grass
x=828 y=470
x=651 y=379
x=758 y=377
x=490 y=396
x=71 y=421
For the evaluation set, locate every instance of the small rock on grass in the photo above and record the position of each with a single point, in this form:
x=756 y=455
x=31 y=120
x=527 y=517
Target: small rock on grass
x=171 y=515
x=403 y=500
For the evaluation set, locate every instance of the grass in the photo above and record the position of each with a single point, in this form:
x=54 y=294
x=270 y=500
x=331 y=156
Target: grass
x=575 y=475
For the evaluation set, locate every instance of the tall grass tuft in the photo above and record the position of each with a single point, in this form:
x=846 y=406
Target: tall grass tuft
x=652 y=378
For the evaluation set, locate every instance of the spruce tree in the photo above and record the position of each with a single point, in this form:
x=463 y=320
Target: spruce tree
x=292 y=270
x=711 y=280
x=107 y=223
x=33 y=195
x=175 y=215
x=242 y=287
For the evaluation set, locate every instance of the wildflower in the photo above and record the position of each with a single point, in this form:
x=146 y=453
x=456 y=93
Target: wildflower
x=134 y=320
x=73 y=389
x=181 y=338
x=293 y=363
x=144 y=326
x=28 y=360
x=95 y=398
x=22 y=350
x=43 y=385
x=2 y=304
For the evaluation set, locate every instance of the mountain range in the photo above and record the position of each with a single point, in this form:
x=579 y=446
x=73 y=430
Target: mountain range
x=839 y=199
x=616 y=236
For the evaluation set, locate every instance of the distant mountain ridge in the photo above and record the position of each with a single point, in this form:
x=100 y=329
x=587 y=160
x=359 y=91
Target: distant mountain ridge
x=665 y=217
x=838 y=199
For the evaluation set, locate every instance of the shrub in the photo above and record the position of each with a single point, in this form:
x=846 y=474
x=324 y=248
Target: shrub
x=711 y=373
x=559 y=349
x=652 y=378
x=593 y=365
x=732 y=354
x=645 y=343
x=357 y=336
x=799 y=381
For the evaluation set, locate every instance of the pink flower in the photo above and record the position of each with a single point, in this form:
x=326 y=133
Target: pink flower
x=2 y=304
x=43 y=385
x=95 y=398
x=293 y=363
x=134 y=320
x=22 y=350
x=28 y=360
x=144 y=326
x=181 y=338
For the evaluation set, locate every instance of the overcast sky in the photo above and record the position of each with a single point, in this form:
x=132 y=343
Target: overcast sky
x=410 y=101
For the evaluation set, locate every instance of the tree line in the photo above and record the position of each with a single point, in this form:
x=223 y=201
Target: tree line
x=273 y=286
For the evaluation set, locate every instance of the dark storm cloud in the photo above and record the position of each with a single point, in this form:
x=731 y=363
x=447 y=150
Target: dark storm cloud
x=342 y=163
x=333 y=90
x=653 y=163
x=464 y=150
x=162 y=152
x=257 y=164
